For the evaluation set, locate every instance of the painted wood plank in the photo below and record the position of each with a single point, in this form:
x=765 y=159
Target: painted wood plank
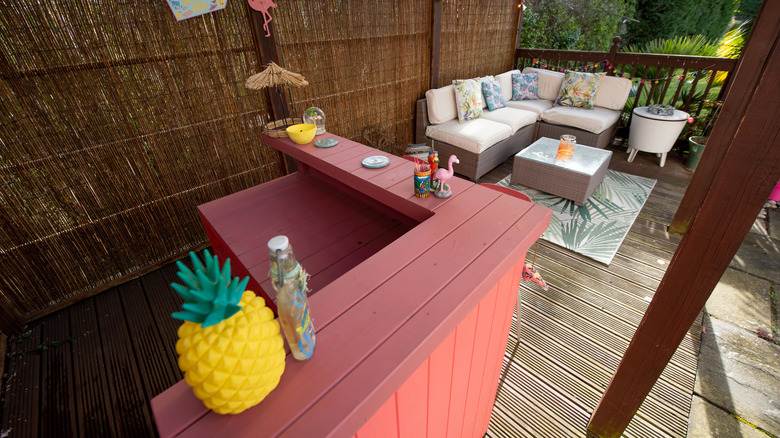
x=333 y=166
x=506 y=297
x=462 y=244
x=439 y=384
x=479 y=358
x=58 y=410
x=477 y=277
x=334 y=271
x=176 y=409
x=21 y=402
x=412 y=402
x=356 y=284
x=461 y=369
x=158 y=372
x=124 y=383
x=384 y=424
x=92 y=392
x=163 y=301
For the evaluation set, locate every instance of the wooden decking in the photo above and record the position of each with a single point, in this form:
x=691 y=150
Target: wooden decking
x=573 y=335
x=91 y=369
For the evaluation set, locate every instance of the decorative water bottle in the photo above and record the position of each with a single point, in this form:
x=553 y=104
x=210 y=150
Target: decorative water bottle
x=289 y=280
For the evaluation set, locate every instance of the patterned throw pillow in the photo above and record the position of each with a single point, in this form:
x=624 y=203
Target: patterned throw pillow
x=491 y=90
x=468 y=97
x=578 y=89
x=525 y=86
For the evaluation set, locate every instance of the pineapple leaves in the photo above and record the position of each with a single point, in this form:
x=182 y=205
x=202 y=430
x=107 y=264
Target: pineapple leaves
x=211 y=294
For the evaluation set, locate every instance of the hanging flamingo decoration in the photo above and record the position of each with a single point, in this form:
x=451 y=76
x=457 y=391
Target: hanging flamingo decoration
x=442 y=175
x=263 y=6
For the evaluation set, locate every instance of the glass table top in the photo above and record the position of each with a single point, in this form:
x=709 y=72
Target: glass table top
x=585 y=160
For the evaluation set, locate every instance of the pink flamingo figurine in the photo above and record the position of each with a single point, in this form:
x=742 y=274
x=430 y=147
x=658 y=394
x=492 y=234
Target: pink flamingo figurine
x=443 y=175
x=263 y=6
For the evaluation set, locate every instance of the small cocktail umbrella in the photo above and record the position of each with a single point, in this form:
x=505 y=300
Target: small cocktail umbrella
x=275 y=76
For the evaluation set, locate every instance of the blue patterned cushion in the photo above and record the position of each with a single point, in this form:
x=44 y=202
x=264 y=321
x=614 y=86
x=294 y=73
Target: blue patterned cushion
x=525 y=86
x=578 y=89
x=491 y=89
x=468 y=97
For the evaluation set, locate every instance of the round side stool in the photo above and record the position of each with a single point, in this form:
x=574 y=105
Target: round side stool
x=654 y=133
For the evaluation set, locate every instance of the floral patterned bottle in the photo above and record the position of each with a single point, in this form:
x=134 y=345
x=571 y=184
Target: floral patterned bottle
x=289 y=280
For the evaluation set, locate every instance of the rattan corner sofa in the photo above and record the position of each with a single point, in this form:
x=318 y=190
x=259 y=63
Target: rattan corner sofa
x=484 y=143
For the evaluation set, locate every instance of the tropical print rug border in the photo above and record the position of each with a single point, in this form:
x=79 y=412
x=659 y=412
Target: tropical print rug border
x=597 y=229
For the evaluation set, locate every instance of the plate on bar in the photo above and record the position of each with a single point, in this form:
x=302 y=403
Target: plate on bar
x=376 y=162
x=326 y=142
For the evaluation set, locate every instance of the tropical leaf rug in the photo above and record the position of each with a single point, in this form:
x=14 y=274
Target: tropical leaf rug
x=596 y=229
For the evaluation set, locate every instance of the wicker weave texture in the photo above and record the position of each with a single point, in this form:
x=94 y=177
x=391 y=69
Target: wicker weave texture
x=600 y=140
x=558 y=180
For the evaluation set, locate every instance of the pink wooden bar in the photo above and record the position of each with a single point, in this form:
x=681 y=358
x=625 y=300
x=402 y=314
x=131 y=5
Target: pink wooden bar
x=412 y=298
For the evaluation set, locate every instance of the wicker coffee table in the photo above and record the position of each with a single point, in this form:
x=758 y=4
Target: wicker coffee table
x=576 y=179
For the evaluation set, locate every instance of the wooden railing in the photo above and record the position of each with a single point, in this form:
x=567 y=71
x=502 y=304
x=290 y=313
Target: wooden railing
x=663 y=79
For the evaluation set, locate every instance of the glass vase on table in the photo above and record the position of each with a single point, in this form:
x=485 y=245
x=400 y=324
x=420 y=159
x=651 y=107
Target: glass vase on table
x=566 y=147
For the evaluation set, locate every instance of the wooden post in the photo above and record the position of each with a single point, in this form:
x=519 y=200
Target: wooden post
x=742 y=179
x=519 y=33
x=267 y=52
x=435 y=43
x=613 y=51
x=749 y=69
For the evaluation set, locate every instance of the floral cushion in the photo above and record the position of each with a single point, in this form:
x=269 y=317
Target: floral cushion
x=525 y=86
x=468 y=99
x=578 y=89
x=491 y=90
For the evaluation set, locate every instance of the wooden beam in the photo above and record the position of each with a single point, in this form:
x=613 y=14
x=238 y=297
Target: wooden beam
x=435 y=43
x=267 y=52
x=519 y=32
x=742 y=83
x=741 y=182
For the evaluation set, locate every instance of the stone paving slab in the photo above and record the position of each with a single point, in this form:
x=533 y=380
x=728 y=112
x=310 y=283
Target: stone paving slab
x=739 y=372
x=713 y=422
x=773 y=219
x=758 y=255
x=742 y=299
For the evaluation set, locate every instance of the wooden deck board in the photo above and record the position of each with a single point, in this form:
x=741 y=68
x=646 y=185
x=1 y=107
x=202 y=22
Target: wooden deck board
x=572 y=336
x=58 y=412
x=124 y=383
x=570 y=341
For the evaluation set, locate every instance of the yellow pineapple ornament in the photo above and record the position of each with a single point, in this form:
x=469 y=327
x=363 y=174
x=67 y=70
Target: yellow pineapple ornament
x=230 y=348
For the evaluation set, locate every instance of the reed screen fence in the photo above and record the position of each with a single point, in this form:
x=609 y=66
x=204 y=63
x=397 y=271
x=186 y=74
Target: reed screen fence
x=118 y=121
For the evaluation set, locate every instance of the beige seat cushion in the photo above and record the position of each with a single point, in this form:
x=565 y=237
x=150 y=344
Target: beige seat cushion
x=513 y=117
x=505 y=80
x=474 y=135
x=441 y=104
x=537 y=106
x=612 y=93
x=593 y=120
x=549 y=82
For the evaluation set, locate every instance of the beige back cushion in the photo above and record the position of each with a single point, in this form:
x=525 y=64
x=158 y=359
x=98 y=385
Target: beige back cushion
x=612 y=93
x=505 y=80
x=549 y=82
x=441 y=104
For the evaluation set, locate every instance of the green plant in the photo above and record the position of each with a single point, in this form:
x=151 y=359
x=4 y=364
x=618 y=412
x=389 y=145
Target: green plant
x=663 y=19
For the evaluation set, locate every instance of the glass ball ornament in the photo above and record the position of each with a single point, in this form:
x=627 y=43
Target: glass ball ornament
x=316 y=117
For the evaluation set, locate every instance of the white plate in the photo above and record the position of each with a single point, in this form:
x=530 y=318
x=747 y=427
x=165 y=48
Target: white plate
x=376 y=162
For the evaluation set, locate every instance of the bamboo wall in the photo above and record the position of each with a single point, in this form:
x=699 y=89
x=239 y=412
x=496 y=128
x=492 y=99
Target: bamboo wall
x=118 y=121
x=477 y=38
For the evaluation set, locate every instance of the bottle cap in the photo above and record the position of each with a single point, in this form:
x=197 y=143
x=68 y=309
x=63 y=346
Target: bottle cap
x=278 y=243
